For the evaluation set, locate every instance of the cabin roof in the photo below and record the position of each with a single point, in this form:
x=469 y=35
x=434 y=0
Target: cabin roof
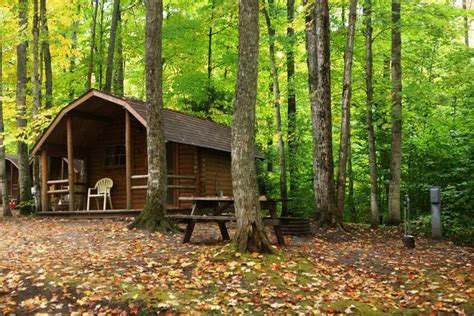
x=13 y=159
x=179 y=127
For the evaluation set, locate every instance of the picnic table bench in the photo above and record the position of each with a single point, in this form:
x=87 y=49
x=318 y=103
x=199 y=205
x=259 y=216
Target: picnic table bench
x=221 y=211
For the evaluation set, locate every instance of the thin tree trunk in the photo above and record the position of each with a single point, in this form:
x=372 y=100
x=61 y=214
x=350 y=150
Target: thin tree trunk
x=46 y=55
x=250 y=233
x=276 y=102
x=209 y=45
x=311 y=52
x=72 y=60
x=111 y=50
x=119 y=76
x=466 y=24
x=22 y=148
x=152 y=217
x=101 y=45
x=396 y=160
x=91 y=53
x=350 y=198
x=322 y=122
x=290 y=73
x=36 y=93
x=346 y=108
x=374 y=198
x=3 y=170
x=36 y=61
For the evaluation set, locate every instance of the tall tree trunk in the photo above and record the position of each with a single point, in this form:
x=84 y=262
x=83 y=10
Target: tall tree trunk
x=209 y=45
x=111 y=50
x=36 y=94
x=466 y=24
x=276 y=102
x=22 y=148
x=374 y=198
x=72 y=59
x=311 y=52
x=250 y=233
x=322 y=122
x=153 y=215
x=346 y=108
x=119 y=76
x=46 y=55
x=290 y=73
x=101 y=45
x=91 y=53
x=3 y=170
x=36 y=61
x=350 y=198
x=396 y=160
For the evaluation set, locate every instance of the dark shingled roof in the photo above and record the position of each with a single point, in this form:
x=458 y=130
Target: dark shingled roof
x=186 y=129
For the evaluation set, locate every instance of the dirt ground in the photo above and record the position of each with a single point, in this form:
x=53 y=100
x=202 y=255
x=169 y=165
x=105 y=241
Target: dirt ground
x=101 y=267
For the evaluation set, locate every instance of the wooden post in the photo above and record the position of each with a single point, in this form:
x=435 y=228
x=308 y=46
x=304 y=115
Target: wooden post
x=44 y=181
x=70 y=162
x=128 y=159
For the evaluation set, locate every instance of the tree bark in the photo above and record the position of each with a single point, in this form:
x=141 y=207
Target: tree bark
x=322 y=123
x=276 y=103
x=22 y=148
x=350 y=198
x=91 y=53
x=291 y=103
x=250 y=233
x=72 y=59
x=3 y=170
x=374 y=198
x=111 y=50
x=36 y=61
x=46 y=55
x=119 y=76
x=396 y=159
x=152 y=217
x=346 y=108
x=466 y=24
x=101 y=45
x=311 y=52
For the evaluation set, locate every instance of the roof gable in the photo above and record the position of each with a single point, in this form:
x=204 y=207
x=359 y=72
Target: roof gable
x=179 y=127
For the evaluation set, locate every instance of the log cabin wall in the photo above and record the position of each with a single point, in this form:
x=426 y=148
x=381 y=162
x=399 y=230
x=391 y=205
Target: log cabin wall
x=12 y=179
x=216 y=172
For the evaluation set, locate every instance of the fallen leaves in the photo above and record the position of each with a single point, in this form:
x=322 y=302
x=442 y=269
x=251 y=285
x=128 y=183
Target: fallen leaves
x=100 y=267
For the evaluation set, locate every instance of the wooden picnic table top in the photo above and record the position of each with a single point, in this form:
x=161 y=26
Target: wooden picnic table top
x=219 y=198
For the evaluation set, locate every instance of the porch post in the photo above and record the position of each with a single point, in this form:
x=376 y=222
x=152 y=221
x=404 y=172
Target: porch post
x=128 y=159
x=44 y=181
x=70 y=160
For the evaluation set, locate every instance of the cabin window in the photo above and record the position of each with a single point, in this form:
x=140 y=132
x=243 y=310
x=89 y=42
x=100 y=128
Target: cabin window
x=115 y=156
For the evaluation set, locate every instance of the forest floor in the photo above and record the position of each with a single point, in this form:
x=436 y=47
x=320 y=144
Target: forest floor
x=99 y=266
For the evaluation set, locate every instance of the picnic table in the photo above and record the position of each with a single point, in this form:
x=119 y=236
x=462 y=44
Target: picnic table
x=220 y=211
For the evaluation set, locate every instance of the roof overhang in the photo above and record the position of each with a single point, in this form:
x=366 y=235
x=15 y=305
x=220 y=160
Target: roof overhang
x=76 y=103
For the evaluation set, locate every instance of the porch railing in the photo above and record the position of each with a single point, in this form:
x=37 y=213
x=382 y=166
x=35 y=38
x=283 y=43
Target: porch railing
x=173 y=178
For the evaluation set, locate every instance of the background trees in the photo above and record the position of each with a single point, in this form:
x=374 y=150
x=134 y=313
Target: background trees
x=437 y=88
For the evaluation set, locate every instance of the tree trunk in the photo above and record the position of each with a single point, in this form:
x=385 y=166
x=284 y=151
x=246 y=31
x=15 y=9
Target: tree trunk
x=350 y=198
x=91 y=53
x=22 y=148
x=118 y=82
x=466 y=24
x=290 y=73
x=36 y=94
x=72 y=59
x=322 y=122
x=250 y=233
x=36 y=61
x=276 y=102
x=396 y=160
x=111 y=50
x=346 y=108
x=101 y=45
x=46 y=55
x=152 y=217
x=209 y=46
x=3 y=169
x=311 y=51
x=374 y=198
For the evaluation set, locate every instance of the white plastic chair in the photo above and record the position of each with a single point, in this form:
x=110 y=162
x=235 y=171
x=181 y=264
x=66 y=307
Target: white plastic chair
x=102 y=188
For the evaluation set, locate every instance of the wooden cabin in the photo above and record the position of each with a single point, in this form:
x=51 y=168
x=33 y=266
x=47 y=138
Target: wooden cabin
x=11 y=162
x=105 y=136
